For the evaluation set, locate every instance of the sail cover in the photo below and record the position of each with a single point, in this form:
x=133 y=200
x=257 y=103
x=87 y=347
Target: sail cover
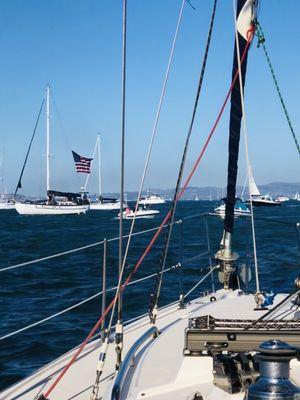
x=245 y=16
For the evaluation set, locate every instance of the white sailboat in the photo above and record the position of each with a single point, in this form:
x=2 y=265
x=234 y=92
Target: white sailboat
x=57 y=203
x=102 y=203
x=297 y=197
x=223 y=345
x=259 y=200
x=5 y=202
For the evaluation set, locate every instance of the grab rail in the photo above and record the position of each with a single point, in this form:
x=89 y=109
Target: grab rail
x=129 y=360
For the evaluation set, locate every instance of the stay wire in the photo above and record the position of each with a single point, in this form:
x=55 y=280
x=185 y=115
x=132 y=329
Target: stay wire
x=261 y=42
x=167 y=238
x=19 y=184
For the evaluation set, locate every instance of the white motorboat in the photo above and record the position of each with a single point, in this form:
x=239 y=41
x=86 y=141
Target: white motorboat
x=151 y=199
x=141 y=212
x=282 y=199
x=240 y=209
x=57 y=203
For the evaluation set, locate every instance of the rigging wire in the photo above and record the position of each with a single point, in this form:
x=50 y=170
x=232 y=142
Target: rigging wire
x=167 y=238
x=155 y=236
x=261 y=42
x=150 y=147
x=245 y=133
x=19 y=184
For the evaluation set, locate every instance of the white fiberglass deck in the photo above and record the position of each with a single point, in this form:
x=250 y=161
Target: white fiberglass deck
x=161 y=371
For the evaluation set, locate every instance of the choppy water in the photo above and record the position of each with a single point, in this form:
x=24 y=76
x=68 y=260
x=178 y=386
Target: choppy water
x=33 y=292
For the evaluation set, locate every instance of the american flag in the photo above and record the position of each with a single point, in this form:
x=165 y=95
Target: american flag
x=83 y=164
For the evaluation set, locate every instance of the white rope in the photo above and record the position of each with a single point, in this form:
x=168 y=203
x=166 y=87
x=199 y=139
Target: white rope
x=25 y=328
x=93 y=156
x=245 y=133
x=201 y=280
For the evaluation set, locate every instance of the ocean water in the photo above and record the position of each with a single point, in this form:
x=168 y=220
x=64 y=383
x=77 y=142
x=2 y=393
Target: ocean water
x=33 y=292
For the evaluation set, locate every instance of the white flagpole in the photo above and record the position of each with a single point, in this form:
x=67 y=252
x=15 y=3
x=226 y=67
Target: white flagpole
x=88 y=175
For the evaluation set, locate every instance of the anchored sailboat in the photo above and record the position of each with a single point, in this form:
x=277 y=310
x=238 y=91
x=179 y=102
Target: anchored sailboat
x=224 y=345
x=57 y=202
x=102 y=203
x=5 y=202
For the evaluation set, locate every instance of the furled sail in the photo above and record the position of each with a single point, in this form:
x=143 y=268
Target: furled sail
x=254 y=191
x=245 y=16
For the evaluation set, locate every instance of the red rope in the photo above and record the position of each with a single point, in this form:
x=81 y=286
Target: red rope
x=165 y=220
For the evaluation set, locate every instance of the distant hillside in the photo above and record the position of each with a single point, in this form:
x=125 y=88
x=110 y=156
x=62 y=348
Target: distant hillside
x=213 y=192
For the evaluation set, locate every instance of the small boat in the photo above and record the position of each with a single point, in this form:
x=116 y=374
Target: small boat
x=57 y=202
x=282 y=199
x=102 y=203
x=5 y=202
x=151 y=199
x=240 y=209
x=142 y=212
x=196 y=198
x=265 y=201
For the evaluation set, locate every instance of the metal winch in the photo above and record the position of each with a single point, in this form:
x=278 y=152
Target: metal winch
x=274 y=383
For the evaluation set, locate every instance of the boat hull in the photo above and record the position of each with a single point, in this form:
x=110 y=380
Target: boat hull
x=104 y=206
x=7 y=206
x=140 y=214
x=46 y=209
x=260 y=203
x=146 y=202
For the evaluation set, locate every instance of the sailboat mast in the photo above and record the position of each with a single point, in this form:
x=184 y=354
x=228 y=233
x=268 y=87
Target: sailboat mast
x=48 y=137
x=99 y=166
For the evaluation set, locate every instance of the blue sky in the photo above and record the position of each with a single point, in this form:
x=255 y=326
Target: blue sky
x=75 y=46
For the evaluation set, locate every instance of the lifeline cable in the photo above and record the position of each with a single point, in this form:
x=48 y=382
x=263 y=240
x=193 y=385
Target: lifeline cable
x=167 y=238
x=155 y=236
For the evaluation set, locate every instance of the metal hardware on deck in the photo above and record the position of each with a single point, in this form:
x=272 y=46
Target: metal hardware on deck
x=234 y=373
x=227 y=261
x=206 y=334
x=129 y=360
x=274 y=381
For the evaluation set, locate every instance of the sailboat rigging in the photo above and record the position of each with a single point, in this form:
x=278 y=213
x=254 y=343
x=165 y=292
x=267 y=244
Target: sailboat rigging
x=223 y=345
x=58 y=202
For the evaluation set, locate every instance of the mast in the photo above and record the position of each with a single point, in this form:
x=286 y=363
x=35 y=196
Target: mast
x=119 y=325
x=99 y=167
x=2 y=178
x=245 y=14
x=48 y=138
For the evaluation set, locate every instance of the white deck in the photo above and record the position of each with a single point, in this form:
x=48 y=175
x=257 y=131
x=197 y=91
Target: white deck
x=161 y=371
